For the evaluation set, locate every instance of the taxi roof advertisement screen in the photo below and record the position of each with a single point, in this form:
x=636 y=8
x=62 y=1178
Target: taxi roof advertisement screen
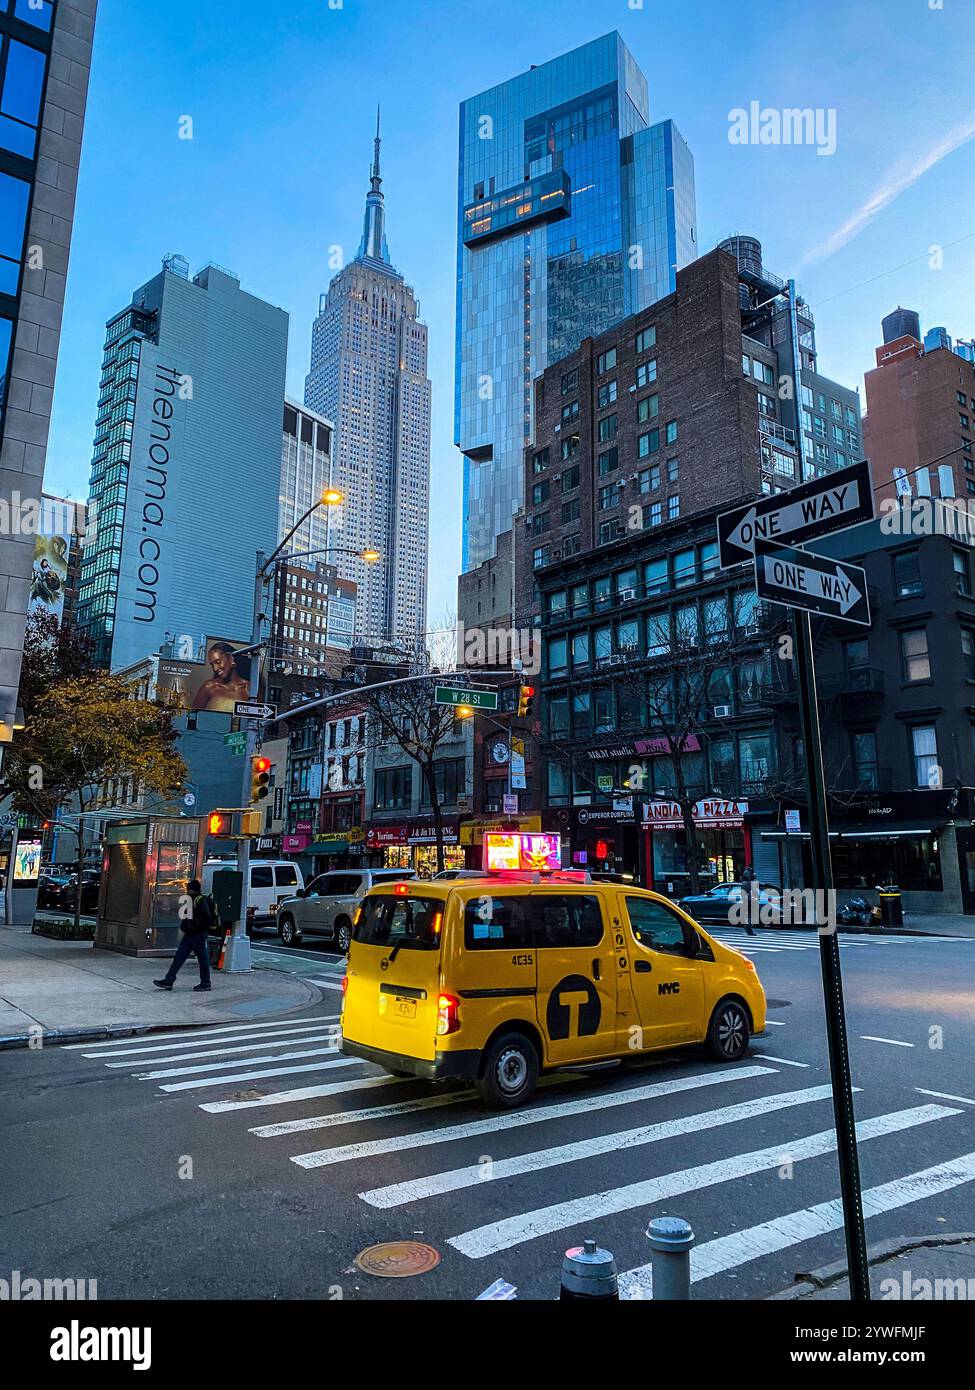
x=518 y=850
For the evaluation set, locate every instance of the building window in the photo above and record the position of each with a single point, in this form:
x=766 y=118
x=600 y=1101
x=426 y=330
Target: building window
x=968 y=653
x=570 y=478
x=914 y=654
x=570 y=412
x=648 y=444
x=570 y=511
x=924 y=743
x=607 y=532
x=907 y=574
x=580 y=648
x=14 y=197
x=865 y=770
x=607 y=428
x=856 y=653
x=557 y=656
x=393 y=788
x=607 y=394
x=650 y=478
x=673 y=507
x=963 y=582
x=610 y=496
x=672 y=432
x=673 y=470
x=645 y=340
x=652 y=514
x=646 y=373
x=540 y=523
x=608 y=462
x=606 y=361
x=20 y=101
x=648 y=409
x=570 y=380
x=539 y=556
x=540 y=493
x=685 y=569
x=540 y=461
x=569 y=447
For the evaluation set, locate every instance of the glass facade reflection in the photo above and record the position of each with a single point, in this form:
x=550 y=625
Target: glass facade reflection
x=573 y=212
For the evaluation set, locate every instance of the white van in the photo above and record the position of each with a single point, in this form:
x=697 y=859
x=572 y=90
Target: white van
x=272 y=880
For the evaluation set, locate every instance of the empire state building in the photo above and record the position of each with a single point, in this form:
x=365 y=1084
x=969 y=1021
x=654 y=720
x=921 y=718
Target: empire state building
x=369 y=375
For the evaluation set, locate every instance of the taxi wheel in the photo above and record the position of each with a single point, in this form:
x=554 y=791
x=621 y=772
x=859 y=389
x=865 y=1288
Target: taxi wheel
x=288 y=932
x=343 y=936
x=510 y=1072
x=729 y=1032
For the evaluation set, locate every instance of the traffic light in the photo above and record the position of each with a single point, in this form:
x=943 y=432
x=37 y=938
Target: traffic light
x=221 y=825
x=260 y=778
x=526 y=702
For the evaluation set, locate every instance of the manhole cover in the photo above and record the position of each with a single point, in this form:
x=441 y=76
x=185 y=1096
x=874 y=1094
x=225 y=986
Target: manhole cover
x=398 y=1259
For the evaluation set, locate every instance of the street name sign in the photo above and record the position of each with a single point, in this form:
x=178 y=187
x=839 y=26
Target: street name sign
x=243 y=709
x=799 y=579
x=842 y=498
x=237 y=743
x=457 y=695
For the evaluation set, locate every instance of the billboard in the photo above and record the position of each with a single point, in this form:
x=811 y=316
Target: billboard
x=211 y=686
x=61 y=521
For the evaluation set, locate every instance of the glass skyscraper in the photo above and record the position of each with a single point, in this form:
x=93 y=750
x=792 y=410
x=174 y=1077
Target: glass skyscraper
x=573 y=212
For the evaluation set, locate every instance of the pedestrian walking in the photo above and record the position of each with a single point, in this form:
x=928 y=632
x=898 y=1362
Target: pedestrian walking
x=749 y=877
x=193 y=941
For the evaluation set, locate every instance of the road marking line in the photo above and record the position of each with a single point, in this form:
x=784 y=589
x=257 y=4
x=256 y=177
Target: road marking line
x=773 y=1023
x=257 y=1075
x=171 y=1055
x=245 y=1030
x=336 y=1088
x=783 y=1060
x=517 y=1119
x=516 y=1230
x=894 y=1042
x=739 y=1247
x=327 y=984
x=398 y=1194
x=348 y=1117
x=942 y=1096
x=237 y=1062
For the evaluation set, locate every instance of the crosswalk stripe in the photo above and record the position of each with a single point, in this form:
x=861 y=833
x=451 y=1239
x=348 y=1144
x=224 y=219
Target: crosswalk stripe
x=196 y=1039
x=738 y=1248
x=398 y=1194
x=516 y=1230
x=963 y=1100
x=237 y=1062
x=783 y=1061
x=336 y=1088
x=517 y=1119
x=245 y=1030
x=349 y=1117
x=329 y=1036
x=257 y=1075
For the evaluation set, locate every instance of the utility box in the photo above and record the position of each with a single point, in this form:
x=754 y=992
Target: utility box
x=228 y=896
x=147 y=862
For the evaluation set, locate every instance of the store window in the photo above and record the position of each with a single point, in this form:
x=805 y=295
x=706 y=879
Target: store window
x=924 y=744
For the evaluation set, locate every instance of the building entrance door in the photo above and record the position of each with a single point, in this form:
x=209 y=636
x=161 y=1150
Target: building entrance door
x=966 y=868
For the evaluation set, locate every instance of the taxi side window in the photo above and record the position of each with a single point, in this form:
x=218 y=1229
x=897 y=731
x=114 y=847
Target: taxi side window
x=655 y=926
x=567 y=921
x=497 y=924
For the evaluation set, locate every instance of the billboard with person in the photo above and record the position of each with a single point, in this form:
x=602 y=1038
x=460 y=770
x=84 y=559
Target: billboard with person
x=212 y=686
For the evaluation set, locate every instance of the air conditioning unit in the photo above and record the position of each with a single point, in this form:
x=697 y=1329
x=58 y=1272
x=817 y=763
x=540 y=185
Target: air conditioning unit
x=627 y=595
x=615 y=660
x=632 y=390
x=722 y=711
x=634 y=477
x=558 y=429
x=556 y=555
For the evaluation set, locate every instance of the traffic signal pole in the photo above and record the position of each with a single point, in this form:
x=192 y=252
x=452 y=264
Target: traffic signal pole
x=829 y=951
x=237 y=960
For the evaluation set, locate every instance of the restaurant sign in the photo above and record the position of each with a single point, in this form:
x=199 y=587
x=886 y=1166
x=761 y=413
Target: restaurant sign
x=713 y=813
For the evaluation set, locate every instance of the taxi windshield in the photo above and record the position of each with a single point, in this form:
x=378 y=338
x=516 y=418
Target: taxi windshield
x=411 y=924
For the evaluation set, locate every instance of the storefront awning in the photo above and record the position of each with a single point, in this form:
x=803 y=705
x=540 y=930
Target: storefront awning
x=889 y=832
x=335 y=846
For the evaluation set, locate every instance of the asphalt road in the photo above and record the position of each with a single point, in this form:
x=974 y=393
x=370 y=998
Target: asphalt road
x=251 y=1161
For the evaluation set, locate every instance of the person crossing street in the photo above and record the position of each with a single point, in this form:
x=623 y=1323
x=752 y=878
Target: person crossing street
x=194 y=940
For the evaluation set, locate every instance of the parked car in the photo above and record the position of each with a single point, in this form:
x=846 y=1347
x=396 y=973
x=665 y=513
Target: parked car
x=272 y=881
x=328 y=905
x=63 y=896
x=49 y=886
x=459 y=873
x=718 y=903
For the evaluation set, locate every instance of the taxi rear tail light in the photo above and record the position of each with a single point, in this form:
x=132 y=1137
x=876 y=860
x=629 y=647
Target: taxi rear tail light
x=447 y=1020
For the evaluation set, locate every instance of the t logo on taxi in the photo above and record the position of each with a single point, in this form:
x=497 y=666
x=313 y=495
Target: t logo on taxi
x=573 y=1009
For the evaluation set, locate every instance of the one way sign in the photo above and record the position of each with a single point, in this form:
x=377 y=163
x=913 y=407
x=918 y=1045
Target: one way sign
x=816 y=508
x=799 y=579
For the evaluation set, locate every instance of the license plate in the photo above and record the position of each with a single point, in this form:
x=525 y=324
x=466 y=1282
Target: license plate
x=404 y=1008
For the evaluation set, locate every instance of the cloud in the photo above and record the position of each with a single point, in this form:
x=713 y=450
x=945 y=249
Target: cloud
x=897 y=182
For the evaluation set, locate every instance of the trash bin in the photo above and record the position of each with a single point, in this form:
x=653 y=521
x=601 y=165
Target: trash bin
x=891 y=906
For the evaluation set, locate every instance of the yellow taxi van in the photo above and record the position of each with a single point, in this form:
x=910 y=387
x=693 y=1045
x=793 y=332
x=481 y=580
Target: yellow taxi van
x=493 y=981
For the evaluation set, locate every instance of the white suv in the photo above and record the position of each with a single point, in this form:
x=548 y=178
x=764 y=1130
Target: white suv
x=327 y=906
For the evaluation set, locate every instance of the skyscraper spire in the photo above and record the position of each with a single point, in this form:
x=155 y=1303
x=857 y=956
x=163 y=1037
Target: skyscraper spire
x=373 y=246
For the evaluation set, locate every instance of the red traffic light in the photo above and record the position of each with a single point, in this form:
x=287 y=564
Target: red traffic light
x=262 y=765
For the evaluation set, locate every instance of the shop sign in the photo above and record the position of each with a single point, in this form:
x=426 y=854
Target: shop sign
x=295 y=844
x=793 y=823
x=472 y=832
x=713 y=813
x=643 y=747
x=379 y=836
x=903 y=806
x=356 y=836
x=268 y=844
x=509 y=804
x=622 y=810
x=303 y=827
x=519 y=780
x=424 y=832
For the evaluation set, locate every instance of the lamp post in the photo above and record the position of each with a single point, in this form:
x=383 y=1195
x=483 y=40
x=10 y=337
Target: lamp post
x=238 y=954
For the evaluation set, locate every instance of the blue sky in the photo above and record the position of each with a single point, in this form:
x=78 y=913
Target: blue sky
x=283 y=93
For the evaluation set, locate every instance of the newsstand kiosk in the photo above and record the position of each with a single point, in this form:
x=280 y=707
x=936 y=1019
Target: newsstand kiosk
x=147 y=862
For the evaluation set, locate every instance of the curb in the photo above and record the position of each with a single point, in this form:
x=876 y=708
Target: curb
x=813 y=1281
x=59 y=1036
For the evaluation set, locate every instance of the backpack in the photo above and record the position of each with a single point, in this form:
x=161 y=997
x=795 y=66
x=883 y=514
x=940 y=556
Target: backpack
x=205 y=915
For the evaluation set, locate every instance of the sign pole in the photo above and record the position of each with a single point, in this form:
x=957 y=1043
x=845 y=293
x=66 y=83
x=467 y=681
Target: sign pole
x=829 y=950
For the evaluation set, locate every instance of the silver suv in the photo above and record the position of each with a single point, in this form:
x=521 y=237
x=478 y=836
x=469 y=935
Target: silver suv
x=327 y=906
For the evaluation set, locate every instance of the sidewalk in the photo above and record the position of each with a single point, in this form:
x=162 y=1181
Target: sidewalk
x=918 y=1268
x=71 y=990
